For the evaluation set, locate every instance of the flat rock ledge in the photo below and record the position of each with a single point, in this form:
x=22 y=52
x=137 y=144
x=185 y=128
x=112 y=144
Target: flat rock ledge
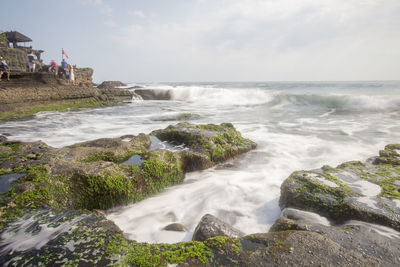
x=28 y=93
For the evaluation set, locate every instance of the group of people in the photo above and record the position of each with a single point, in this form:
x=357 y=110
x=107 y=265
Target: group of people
x=65 y=70
x=4 y=68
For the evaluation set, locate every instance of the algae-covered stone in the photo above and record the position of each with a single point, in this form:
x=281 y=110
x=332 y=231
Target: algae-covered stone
x=217 y=143
x=53 y=238
x=354 y=190
x=58 y=189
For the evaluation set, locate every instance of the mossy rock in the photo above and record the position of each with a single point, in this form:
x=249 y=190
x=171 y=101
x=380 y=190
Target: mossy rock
x=217 y=143
x=353 y=190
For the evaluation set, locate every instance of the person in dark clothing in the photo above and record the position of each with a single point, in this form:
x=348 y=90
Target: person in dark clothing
x=4 y=68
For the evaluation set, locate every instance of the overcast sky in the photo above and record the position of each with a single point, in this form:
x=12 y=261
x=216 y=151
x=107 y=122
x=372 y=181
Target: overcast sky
x=216 y=40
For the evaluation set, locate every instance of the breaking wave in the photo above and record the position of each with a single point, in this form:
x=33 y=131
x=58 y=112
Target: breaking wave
x=219 y=96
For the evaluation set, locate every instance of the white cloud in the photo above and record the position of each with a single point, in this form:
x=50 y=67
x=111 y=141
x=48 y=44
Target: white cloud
x=138 y=13
x=271 y=40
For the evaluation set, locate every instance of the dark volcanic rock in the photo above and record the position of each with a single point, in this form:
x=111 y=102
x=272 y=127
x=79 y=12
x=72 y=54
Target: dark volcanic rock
x=378 y=243
x=210 y=226
x=50 y=237
x=110 y=84
x=177 y=227
x=154 y=94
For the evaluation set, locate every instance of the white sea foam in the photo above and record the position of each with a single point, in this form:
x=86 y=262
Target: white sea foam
x=21 y=240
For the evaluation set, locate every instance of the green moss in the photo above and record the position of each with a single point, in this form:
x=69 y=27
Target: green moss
x=278 y=244
x=3 y=38
x=389 y=189
x=353 y=165
x=109 y=156
x=43 y=190
x=218 y=154
x=224 y=243
x=15 y=146
x=105 y=191
x=158 y=174
x=54 y=106
x=143 y=254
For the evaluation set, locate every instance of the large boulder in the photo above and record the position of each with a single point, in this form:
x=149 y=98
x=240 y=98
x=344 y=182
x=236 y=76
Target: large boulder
x=356 y=240
x=211 y=226
x=368 y=191
x=208 y=144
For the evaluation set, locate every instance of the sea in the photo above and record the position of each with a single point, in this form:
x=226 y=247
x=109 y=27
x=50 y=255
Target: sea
x=297 y=126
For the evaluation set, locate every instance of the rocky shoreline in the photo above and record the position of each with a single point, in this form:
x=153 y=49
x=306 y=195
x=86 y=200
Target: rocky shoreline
x=55 y=199
x=28 y=93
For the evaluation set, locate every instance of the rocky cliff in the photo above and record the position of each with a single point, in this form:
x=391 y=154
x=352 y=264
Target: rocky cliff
x=28 y=93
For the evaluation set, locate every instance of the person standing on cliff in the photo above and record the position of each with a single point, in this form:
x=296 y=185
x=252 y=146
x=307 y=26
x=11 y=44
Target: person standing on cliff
x=53 y=67
x=4 y=68
x=31 y=61
x=64 y=67
x=71 y=74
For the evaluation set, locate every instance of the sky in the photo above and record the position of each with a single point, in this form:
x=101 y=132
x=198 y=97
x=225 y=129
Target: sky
x=216 y=40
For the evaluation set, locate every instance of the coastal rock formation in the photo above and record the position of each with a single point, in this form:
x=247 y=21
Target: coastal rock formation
x=16 y=58
x=54 y=195
x=368 y=191
x=27 y=93
x=209 y=144
x=356 y=240
x=211 y=226
x=31 y=210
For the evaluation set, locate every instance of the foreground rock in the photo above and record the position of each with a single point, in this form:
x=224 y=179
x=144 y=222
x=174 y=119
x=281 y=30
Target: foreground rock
x=28 y=93
x=210 y=226
x=209 y=144
x=368 y=191
x=359 y=242
x=53 y=194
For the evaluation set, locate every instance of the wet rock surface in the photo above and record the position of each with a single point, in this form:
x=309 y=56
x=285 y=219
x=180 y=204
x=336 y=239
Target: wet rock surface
x=327 y=217
x=54 y=238
x=377 y=243
x=211 y=226
x=368 y=191
x=54 y=199
x=177 y=227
